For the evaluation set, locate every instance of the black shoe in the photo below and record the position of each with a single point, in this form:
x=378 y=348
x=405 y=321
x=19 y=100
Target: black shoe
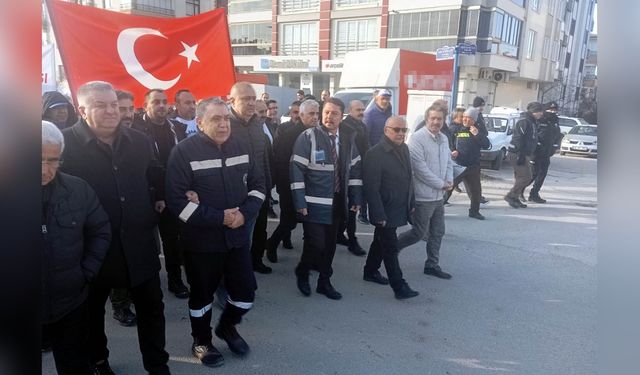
x=103 y=368
x=376 y=278
x=260 y=267
x=342 y=240
x=476 y=215
x=484 y=200
x=327 y=289
x=208 y=354
x=236 y=343
x=437 y=272
x=537 y=199
x=363 y=220
x=356 y=249
x=271 y=213
x=405 y=292
x=177 y=287
x=513 y=202
x=272 y=252
x=303 y=285
x=125 y=316
x=286 y=243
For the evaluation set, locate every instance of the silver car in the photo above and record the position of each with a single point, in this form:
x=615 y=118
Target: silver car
x=581 y=140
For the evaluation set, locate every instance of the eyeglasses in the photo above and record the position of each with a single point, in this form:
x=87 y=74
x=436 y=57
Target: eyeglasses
x=398 y=130
x=53 y=162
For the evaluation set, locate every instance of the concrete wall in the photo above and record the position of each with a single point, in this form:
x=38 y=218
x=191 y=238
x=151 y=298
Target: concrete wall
x=514 y=94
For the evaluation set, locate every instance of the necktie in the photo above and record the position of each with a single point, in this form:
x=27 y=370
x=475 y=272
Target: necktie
x=336 y=169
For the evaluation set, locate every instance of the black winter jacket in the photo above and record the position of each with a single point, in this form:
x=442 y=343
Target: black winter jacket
x=125 y=177
x=282 y=151
x=549 y=135
x=251 y=133
x=524 y=139
x=50 y=98
x=356 y=126
x=388 y=186
x=224 y=177
x=76 y=236
x=468 y=145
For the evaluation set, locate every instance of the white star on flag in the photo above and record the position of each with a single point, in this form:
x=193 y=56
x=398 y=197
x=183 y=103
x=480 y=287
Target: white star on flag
x=190 y=53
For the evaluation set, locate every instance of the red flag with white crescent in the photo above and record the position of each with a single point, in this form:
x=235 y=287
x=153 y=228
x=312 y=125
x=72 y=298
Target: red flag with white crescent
x=138 y=53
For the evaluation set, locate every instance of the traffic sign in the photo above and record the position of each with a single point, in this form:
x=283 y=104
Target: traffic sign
x=467 y=49
x=445 y=53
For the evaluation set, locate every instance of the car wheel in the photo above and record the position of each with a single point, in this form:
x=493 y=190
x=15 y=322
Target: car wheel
x=496 y=164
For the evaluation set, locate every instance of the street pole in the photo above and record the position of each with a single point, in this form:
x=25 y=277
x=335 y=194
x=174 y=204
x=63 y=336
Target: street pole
x=456 y=74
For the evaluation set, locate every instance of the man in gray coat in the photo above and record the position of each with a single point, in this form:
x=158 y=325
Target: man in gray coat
x=432 y=176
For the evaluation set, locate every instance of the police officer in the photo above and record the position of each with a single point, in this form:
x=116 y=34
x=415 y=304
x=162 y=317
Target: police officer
x=229 y=190
x=549 y=137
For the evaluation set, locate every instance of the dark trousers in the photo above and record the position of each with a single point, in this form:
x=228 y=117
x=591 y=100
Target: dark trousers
x=147 y=299
x=259 y=236
x=319 y=245
x=120 y=298
x=204 y=273
x=385 y=248
x=288 y=221
x=349 y=225
x=169 y=227
x=521 y=174
x=69 y=337
x=539 y=172
x=471 y=178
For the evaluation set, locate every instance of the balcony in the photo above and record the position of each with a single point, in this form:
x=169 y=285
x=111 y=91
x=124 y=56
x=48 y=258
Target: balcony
x=341 y=48
x=299 y=6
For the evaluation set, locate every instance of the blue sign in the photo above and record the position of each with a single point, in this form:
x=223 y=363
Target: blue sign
x=445 y=53
x=467 y=49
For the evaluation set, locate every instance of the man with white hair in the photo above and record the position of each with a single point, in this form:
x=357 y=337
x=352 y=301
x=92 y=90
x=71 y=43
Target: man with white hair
x=76 y=235
x=120 y=165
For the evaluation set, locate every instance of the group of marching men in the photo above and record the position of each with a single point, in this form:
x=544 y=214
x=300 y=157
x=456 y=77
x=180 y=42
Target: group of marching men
x=203 y=178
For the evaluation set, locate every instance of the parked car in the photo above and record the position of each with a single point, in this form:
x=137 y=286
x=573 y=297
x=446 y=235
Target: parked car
x=567 y=123
x=499 y=124
x=581 y=140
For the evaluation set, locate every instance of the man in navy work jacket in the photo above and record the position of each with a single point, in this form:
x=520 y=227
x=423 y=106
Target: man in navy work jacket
x=229 y=183
x=325 y=181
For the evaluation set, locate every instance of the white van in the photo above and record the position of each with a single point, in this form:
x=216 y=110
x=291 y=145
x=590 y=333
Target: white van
x=500 y=122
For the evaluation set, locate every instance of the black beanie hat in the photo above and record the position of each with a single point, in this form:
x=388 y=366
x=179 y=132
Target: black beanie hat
x=534 y=107
x=478 y=102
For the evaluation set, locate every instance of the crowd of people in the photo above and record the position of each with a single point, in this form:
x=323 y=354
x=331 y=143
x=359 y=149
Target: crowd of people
x=201 y=176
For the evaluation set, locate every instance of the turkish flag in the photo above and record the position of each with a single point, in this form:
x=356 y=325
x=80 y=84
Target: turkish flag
x=137 y=53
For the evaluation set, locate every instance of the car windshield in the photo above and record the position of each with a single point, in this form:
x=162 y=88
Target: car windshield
x=496 y=124
x=347 y=97
x=584 y=130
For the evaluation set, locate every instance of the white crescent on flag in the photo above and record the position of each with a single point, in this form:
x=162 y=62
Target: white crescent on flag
x=126 y=42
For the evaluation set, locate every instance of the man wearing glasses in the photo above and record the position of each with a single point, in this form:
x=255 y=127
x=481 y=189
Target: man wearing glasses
x=325 y=182
x=433 y=176
x=389 y=191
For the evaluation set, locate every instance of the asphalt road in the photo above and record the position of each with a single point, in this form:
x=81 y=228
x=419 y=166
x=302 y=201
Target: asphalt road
x=522 y=299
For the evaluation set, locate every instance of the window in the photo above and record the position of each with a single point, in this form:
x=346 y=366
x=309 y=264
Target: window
x=351 y=3
x=555 y=51
x=163 y=7
x=193 y=7
x=471 y=27
x=299 y=39
x=531 y=40
x=424 y=24
x=295 y=6
x=546 y=46
x=519 y=2
x=355 y=35
x=534 y=4
x=251 y=38
x=247 y=6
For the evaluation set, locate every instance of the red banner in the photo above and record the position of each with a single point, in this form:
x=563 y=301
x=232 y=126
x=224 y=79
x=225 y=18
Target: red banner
x=137 y=53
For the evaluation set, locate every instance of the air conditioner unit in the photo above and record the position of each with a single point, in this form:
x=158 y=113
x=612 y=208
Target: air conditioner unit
x=499 y=76
x=484 y=73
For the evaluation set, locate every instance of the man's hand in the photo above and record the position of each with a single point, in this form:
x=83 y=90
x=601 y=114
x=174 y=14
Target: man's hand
x=473 y=130
x=238 y=220
x=454 y=154
x=229 y=216
x=192 y=196
x=160 y=206
x=355 y=208
x=448 y=186
x=302 y=211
